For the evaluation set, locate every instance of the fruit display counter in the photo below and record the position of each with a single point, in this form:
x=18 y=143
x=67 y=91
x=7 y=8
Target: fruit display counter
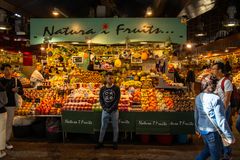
x=160 y=112
x=41 y=102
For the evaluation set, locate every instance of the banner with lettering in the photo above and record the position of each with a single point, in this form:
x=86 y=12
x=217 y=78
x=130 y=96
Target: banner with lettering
x=107 y=30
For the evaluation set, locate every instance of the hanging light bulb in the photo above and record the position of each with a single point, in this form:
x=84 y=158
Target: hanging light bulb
x=231 y=21
x=149 y=11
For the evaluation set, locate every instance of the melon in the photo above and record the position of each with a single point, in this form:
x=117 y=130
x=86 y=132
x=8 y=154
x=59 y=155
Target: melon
x=117 y=63
x=144 y=56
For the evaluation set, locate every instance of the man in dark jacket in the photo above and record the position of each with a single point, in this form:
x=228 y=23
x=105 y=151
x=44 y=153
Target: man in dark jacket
x=10 y=86
x=109 y=98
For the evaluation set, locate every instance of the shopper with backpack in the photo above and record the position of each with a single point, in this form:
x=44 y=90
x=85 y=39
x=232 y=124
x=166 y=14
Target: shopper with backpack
x=224 y=89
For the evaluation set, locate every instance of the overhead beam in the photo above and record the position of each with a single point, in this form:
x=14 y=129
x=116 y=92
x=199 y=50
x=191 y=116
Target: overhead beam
x=7 y=6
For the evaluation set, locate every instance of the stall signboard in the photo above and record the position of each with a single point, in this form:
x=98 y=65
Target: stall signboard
x=139 y=122
x=78 y=122
x=126 y=122
x=107 y=30
x=165 y=123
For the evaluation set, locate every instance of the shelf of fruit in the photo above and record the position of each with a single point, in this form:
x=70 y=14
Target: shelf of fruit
x=148 y=100
x=165 y=82
x=86 y=99
x=41 y=102
x=236 y=79
x=202 y=74
x=132 y=83
x=85 y=77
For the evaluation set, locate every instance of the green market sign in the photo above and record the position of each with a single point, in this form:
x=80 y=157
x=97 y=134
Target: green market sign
x=141 y=123
x=107 y=30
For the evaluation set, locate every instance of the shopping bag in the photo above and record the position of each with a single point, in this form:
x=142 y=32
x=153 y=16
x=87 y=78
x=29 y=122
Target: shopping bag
x=18 y=98
x=3 y=96
x=226 y=142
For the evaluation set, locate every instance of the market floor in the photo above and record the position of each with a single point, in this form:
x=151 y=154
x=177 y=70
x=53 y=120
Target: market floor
x=70 y=151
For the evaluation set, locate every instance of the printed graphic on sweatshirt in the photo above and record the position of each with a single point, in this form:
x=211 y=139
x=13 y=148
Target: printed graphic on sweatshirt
x=109 y=95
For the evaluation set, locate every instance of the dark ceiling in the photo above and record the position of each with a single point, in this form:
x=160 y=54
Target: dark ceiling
x=80 y=8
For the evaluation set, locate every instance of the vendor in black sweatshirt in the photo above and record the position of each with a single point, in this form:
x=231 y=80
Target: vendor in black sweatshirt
x=109 y=98
x=9 y=84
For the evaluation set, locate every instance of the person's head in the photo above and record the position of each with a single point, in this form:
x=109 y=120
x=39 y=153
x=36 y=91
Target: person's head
x=46 y=70
x=218 y=69
x=6 y=69
x=38 y=67
x=209 y=83
x=109 y=78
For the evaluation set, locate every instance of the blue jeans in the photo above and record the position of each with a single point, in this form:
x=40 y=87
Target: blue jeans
x=105 y=120
x=228 y=150
x=238 y=123
x=212 y=148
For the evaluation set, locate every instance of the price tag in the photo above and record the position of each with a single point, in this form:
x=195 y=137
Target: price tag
x=37 y=100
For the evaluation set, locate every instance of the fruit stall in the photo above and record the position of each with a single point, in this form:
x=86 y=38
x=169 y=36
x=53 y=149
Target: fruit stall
x=151 y=102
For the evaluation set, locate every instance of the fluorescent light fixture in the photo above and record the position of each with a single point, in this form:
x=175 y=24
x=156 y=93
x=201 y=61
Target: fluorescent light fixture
x=200 y=34
x=3 y=28
x=75 y=42
x=17 y=15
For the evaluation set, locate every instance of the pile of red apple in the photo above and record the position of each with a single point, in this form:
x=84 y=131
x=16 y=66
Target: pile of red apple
x=80 y=104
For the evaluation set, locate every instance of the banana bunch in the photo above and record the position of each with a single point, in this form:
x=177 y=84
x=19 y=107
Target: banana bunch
x=132 y=83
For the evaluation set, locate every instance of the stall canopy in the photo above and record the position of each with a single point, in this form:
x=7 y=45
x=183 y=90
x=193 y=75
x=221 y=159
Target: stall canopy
x=107 y=30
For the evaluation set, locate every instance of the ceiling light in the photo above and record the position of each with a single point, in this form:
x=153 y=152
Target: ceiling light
x=149 y=11
x=231 y=21
x=57 y=12
x=89 y=41
x=42 y=48
x=189 y=45
x=75 y=42
x=200 y=34
x=3 y=28
x=17 y=15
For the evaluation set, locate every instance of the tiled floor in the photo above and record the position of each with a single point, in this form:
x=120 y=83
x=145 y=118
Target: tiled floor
x=72 y=150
